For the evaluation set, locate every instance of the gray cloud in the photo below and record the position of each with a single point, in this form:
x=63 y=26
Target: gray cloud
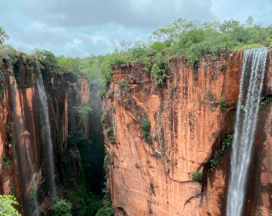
x=140 y=13
x=82 y=28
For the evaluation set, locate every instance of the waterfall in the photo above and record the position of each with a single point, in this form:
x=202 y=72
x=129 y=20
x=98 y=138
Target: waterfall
x=251 y=84
x=25 y=157
x=48 y=144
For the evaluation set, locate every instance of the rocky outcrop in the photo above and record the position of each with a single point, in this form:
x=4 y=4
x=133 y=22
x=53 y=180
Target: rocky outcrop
x=23 y=160
x=188 y=124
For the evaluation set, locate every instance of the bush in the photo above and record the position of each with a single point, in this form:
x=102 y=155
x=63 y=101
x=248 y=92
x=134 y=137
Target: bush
x=7 y=203
x=223 y=104
x=61 y=208
x=146 y=129
x=83 y=111
x=123 y=84
x=107 y=209
x=196 y=176
x=226 y=142
x=110 y=134
x=159 y=72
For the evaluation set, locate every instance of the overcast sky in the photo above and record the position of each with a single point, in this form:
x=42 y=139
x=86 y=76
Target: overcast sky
x=90 y=27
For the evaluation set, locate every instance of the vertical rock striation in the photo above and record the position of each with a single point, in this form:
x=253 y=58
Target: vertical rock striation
x=190 y=116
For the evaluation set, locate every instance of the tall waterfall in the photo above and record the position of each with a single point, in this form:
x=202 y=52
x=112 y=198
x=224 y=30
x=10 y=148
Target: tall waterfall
x=48 y=140
x=251 y=84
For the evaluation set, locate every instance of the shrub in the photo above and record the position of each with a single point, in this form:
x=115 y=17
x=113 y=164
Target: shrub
x=196 y=176
x=83 y=111
x=223 y=104
x=159 y=72
x=7 y=203
x=107 y=209
x=61 y=208
x=214 y=97
x=226 y=142
x=32 y=194
x=6 y=163
x=146 y=129
x=123 y=84
x=264 y=102
x=110 y=134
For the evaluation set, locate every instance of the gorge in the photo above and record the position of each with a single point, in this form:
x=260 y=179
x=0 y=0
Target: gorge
x=179 y=126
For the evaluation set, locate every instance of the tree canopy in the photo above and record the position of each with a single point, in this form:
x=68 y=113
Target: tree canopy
x=3 y=35
x=183 y=38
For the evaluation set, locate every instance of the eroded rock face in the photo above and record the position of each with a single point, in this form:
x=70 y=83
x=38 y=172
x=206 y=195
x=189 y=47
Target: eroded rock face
x=22 y=132
x=187 y=126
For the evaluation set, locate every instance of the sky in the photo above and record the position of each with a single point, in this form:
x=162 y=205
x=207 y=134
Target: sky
x=80 y=28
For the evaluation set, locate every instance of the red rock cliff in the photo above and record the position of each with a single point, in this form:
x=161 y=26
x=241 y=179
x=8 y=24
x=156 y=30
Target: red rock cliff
x=187 y=126
x=22 y=131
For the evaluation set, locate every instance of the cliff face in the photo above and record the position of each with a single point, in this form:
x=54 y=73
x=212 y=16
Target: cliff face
x=187 y=127
x=23 y=158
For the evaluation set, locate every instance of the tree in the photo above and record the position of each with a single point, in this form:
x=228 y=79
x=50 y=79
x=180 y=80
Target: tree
x=61 y=208
x=7 y=203
x=3 y=36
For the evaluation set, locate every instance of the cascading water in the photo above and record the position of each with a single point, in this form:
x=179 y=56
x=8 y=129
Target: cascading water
x=24 y=151
x=45 y=117
x=251 y=84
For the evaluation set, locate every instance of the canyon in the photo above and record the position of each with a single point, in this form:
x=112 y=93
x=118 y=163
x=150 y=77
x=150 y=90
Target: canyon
x=156 y=136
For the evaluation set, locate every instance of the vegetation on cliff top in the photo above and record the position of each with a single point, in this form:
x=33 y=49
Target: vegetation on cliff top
x=183 y=38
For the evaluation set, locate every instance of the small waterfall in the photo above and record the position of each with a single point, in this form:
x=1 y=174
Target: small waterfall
x=45 y=117
x=251 y=84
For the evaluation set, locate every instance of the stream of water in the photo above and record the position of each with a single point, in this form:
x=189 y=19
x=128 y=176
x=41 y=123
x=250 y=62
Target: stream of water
x=251 y=84
x=48 y=140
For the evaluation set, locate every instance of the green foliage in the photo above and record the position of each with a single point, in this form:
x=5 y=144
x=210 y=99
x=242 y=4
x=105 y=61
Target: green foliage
x=85 y=202
x=145 y=130
x=243 y=108
x=3 y=35
x=214 y=97
x=162 y=105
x=61 y=208
x=102 y=93
x=226 y=142
x=7 y=203
x=47 y=58
x=107 y=209
x=123 y=84
x=223 y=105
x=159 y=72
x=183 y=38
x=107 y=161
x=32 y=194
x=6 y=163
x=83 y=111
x=110 y=134
x=264 y=101
x=196 y=176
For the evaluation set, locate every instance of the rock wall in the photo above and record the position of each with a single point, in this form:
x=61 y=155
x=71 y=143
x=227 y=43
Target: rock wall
x=22 y=145
x=187 y=127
